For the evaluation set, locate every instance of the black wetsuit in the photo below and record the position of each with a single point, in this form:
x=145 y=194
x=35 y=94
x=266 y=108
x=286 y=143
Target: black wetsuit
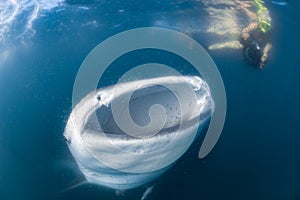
x=253 y=47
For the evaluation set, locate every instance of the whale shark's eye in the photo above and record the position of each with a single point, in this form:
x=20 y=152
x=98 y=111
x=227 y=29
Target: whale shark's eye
x=98 y=97
x=126 y=135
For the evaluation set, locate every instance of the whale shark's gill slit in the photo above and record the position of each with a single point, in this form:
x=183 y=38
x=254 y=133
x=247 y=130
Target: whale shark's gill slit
x=109 y=155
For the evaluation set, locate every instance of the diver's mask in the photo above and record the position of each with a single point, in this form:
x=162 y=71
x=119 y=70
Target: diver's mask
x=253 y=54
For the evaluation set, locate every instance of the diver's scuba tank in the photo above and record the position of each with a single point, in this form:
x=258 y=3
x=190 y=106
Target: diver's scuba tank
x=253 y=53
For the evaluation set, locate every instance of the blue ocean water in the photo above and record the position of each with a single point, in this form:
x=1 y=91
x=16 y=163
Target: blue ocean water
x=255 y=158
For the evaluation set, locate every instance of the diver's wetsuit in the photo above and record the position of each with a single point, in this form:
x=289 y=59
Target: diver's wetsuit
x=254 y=47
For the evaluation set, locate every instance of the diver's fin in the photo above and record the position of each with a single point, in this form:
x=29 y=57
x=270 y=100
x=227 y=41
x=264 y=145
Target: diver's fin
x=280 y=2
x=231 y=44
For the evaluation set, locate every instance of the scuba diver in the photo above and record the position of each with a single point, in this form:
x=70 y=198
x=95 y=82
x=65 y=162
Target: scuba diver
x=254 y=40
x=255 y=37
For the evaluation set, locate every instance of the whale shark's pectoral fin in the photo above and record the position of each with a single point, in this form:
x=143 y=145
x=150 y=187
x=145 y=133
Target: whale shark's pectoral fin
x=147 y=192
x=79 y=181
x=231 y=44
x=120 y=193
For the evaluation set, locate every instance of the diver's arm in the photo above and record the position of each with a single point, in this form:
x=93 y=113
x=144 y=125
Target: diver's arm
x=264 y=57
x=248 y=29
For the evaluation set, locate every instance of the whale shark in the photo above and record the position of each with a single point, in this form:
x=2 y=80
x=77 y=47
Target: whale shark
x=126 y=135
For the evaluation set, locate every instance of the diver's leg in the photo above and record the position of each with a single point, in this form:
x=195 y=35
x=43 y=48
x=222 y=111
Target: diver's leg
x=230 y=44
x=245 y=6
x=250 y=14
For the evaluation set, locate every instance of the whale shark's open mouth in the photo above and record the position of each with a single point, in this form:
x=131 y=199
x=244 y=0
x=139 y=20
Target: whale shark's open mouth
x=128 y=134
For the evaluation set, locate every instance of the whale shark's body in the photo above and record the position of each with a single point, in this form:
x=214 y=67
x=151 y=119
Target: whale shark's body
x=107 y=156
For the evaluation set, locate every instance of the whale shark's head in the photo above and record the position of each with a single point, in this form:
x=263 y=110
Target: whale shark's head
x=126 y=135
